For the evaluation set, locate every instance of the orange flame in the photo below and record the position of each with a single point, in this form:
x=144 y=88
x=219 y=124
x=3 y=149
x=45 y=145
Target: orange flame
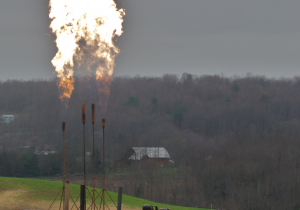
x=85 y=30
x=66 y=87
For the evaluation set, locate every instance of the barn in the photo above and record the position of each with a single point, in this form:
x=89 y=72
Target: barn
x=6 y=118
x=145 y=156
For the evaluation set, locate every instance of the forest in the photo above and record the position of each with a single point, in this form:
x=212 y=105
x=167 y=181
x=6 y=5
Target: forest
x=235 y=140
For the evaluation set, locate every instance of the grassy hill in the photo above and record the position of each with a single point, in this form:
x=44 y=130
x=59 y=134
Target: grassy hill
x=19 y=193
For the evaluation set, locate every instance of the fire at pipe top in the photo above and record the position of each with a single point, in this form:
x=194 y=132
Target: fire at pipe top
x=85 y=33
x=63 y=126
x=103 y=123
x=93 y=113
x=83 y=113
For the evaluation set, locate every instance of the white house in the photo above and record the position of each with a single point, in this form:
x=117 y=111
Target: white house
x=145 y=156
x=151 y=152
x=45 y=152
x=7 y=118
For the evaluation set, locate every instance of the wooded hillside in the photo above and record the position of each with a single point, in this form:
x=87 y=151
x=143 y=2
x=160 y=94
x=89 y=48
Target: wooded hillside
x=249 y=126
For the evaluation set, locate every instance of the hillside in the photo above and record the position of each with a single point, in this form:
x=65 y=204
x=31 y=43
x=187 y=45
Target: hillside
x=19 y=193
x=235 y=141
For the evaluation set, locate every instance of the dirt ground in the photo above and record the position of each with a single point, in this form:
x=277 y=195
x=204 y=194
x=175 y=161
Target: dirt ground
x=19 y=200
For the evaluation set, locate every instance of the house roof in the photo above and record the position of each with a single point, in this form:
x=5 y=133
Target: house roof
x=151 y=152
x=6 y=115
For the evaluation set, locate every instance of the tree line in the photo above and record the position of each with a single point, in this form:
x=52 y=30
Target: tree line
x=235 y=140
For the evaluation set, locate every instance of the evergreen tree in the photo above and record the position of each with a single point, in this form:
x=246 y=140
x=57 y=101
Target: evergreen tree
x=31 y=165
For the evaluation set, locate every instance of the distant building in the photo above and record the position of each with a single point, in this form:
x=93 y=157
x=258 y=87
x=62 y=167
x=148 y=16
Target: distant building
x=26 y=149
x=45 y=152
x=7 y=118
x=145 y=156
x=87 y=154
x=87 y=157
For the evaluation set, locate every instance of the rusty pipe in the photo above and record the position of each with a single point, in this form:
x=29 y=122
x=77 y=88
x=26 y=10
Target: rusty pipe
x=63 y=126
x=83 y=125
x=93 y=122
x=103 y=194
x=64 y=163
x=103 y=123
x=83 y=113
x=64 y=152
x=93 y=113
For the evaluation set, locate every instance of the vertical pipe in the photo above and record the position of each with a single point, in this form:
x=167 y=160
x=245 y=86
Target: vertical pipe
x=64 y=152
x=83 y=124
x=120 y=198
x=82 y=197
x=103 y=194
x=67 y=195
x=64 y=163
x=93 y=122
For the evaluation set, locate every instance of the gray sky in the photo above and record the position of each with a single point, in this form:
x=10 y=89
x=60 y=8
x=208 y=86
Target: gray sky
x=167 y=36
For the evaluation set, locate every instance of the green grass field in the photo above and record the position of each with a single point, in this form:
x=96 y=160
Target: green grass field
x=41 y=190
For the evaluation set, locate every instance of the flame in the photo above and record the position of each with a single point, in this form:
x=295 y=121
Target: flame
x=66 y=86
x=85 y=30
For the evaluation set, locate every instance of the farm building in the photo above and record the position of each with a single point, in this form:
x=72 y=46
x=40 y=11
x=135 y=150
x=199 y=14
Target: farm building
x=88 y=156
x=26 y=149
x=7 y=118
x=145 y=156
x=45 y=152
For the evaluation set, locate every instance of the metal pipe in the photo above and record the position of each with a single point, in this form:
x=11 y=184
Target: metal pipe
x=93 y=122
x=120 y=198
x=103 y=194
x=67 y=195
x=82 y=197
x=64 y=163
x=83 y=124
x=64 y=152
